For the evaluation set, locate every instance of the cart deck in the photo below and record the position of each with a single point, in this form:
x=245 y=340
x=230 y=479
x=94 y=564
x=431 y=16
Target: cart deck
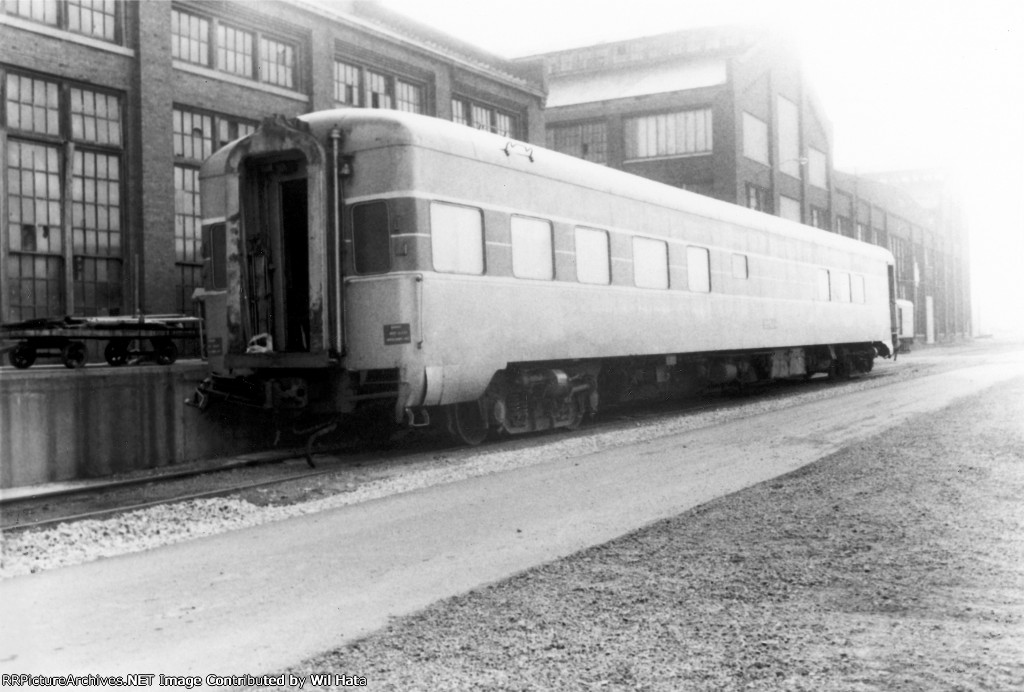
x=65 y=337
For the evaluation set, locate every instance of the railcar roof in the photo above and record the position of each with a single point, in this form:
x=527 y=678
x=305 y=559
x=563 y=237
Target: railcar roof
x=366 y=128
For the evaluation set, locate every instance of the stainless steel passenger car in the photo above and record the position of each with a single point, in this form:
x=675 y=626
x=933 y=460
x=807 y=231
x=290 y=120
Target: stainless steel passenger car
x=366 y=262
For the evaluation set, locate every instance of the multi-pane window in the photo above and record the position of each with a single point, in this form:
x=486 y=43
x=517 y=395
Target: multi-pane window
x=93 y=18
x=346 y=83
x=355 y=85
x=210 y=42
x=587 y=141
x=788 y=116
x=408 y=97
x=669 y=134
x=759 y=198
x=789 y=208
x=195 y=136
x=234 y=50
x=41 y=118
x=32 y=105
x=755 y=139
x=483 y=117
x=190 y=38
x=277 y=62
x=95 y=117
x=96 y=231
x=819 y=218
x=378 y=90
x=817 y=169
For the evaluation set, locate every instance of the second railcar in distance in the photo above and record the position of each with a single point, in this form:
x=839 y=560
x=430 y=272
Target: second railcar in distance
x=374 y=263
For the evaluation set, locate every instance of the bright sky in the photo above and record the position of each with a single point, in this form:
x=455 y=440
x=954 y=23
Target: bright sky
x=906 y=84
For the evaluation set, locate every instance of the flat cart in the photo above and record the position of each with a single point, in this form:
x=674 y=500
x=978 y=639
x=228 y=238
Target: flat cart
x=125 y=336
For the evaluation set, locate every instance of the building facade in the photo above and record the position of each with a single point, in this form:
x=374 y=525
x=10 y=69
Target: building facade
x=728 y=113
x=110 y=106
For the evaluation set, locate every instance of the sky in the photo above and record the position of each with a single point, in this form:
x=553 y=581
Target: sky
x=905 y=83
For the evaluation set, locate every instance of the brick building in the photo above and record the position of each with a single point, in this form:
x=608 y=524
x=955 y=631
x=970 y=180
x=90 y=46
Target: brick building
x=727 y=112
x=110 y=106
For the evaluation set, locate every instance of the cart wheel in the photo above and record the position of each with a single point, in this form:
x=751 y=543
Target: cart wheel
x=74 y=355
x=23 y=355
x=165 y=350
x=116 y=352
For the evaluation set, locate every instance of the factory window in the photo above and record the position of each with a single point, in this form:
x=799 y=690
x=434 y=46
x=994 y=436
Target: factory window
x=740 y=269
x=532 y=249
x=669 y=134
x=698 y=269
x=92 y=18
x=857 y=292
x=593 y=261
x=277 y=62
x=408 y=97
x=790 y=161
x=355 y=85
x=759 y=198
x=755 y=139
x=650 y=263
x=586 y=141
x=378 y=90
x=234 y=50
x=42 y=119
x=483 y=117
x=215 y=253
x=371 y=237
x=457 y=238
x=824 y=285
x=789 y=208
x=194 y=136
x=819 y=218
x=346 y=84
x=209 y=42
x=844 y=227
x=817 y=169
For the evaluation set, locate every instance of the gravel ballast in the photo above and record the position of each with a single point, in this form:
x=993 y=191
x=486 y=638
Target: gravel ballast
x=896 y=564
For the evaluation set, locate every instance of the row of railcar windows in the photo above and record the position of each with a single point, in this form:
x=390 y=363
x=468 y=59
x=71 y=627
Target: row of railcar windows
x=457 y=246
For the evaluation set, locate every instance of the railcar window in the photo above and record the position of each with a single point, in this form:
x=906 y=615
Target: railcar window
x=739 y=267
x=824 y=285
x=371 y=237
x=698 y=269
x=650 y=263
x=532 y=256
x=456 y=238
x=858 y=289
x=593 y=265
x=842 y=287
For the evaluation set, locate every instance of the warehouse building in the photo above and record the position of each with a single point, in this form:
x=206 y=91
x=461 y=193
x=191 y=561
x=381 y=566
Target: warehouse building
x=727 y=112
x=110 y=107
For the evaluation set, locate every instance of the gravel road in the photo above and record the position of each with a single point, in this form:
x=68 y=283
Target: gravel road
x=895 y=564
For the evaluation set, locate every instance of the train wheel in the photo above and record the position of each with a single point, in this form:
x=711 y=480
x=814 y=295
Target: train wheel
x=116 y=352
x=23 y=356
x=74 y=355
x=466 y=423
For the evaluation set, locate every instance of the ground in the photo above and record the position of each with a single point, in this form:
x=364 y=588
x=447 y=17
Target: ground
x=895 y=564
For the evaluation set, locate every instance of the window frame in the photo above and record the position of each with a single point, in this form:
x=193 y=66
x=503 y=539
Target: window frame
x=62 y=20
x=394 y=85
x=670 y=140
x=662 y=265
x=469 y=109
x=590 y=272
x=548 y=275
x=456 y=267
x=215 y=45
x=694 y=253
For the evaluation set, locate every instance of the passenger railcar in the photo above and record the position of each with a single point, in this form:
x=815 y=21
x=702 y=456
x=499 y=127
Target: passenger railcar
x=366 y=261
